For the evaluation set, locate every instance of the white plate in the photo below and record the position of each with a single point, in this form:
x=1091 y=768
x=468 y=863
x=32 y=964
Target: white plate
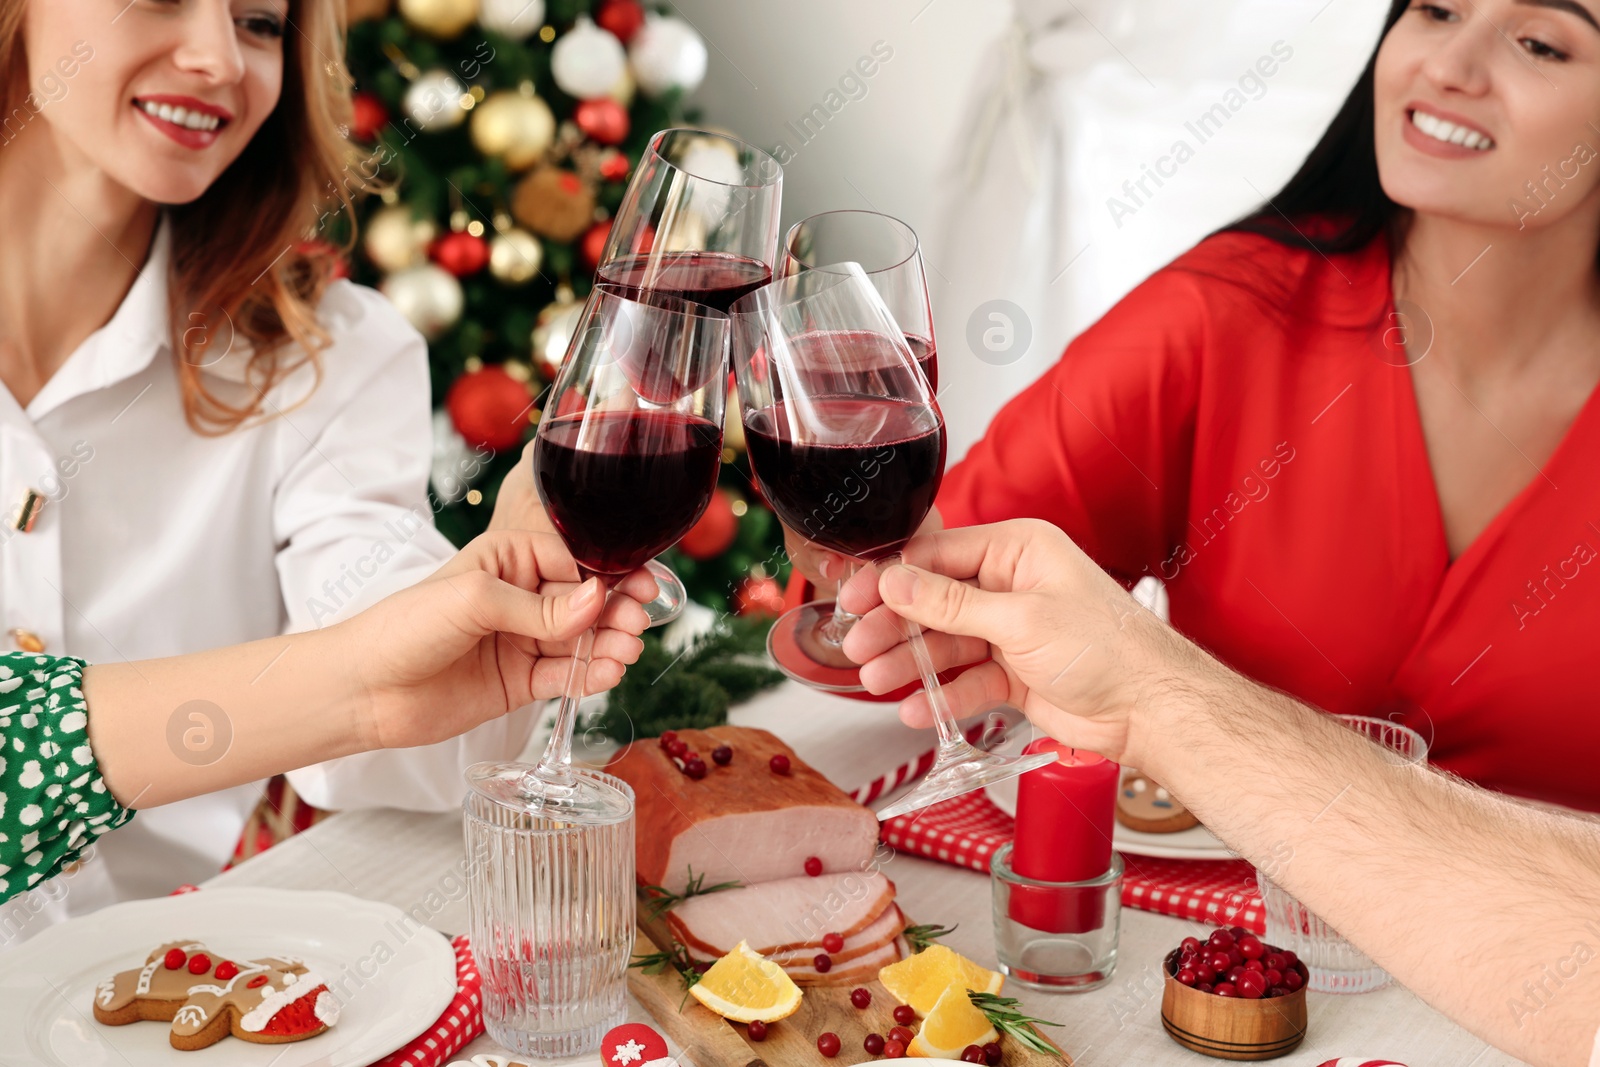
x=1195 y=843
x=393 y=976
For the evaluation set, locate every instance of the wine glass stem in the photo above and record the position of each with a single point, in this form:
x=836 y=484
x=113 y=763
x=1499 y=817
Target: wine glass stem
x=556 y=763
x=953 y=747
x=838 y=624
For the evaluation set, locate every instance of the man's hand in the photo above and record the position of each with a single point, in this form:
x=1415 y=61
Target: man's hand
x=824 y=567
x=1070 y=646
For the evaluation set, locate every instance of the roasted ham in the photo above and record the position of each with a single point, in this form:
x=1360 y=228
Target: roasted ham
x=781 y=916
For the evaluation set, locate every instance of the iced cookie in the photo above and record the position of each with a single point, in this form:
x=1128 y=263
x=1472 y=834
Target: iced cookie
x=1145 y=806
x=206 y=997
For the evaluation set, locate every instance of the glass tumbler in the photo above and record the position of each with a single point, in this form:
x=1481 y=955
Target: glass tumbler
x=551 y=908
x=1335 y=964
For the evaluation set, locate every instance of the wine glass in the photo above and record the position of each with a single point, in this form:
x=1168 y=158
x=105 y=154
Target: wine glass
x=807 y=641
x=848 y=444
x=699 y=221
x=625 y=463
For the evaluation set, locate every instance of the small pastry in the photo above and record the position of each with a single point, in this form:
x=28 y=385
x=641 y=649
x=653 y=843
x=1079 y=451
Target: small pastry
x=1147 y=807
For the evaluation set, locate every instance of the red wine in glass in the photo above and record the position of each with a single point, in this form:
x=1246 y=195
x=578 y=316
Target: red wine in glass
x=865 y=492
x=922 y=349
x=624 y=486
x=715 y=279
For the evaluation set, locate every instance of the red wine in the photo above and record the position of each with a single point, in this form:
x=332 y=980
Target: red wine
x=922 y=349
x=841 y=362
x=864 y=478
x=716 y=279
x=624 y=486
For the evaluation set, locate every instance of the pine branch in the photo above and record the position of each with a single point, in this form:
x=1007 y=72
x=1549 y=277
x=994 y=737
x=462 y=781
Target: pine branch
x=663 y=900
x=923 y=936
x=1003 y=1016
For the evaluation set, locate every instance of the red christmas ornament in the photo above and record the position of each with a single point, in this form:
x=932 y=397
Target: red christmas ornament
x=758 y=596
x=368 y=117
x=715 y=531
x=593 y=244
x=614 y=167
x=460 y=253
x=489 y=408
x=602 y=119
x=622 y=17
x=632 y=1045
x=315 y=249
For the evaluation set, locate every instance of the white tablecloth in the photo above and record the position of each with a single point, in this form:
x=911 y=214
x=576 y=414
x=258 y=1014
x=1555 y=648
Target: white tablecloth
x=405 y=859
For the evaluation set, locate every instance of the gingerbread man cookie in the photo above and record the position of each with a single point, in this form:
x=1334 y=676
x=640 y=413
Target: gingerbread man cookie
x=206 y=997
x=1145 y=806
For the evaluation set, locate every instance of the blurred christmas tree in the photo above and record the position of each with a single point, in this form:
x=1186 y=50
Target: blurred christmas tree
x=507 y=131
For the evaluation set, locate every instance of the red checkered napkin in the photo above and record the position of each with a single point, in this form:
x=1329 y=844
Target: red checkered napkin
x=461 y=1022
x=967 y=830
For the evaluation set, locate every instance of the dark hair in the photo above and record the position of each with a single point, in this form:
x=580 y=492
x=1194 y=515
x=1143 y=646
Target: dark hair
x=1337 y=185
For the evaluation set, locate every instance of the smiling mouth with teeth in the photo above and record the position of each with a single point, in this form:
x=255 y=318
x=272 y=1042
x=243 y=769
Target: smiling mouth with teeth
x=190 y=120
x=1450 y=132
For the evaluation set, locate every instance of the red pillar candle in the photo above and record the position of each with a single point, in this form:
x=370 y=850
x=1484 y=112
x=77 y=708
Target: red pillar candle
x=1064 y=820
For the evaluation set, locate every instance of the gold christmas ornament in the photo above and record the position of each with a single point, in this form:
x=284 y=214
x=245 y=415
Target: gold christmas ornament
x=365 y=10
x=517 y=127
x=434 y=101
x=395 y=239
x=443 y=19
x=552 y=332
x=429 y=297
x=553 y=203
x=515 y=257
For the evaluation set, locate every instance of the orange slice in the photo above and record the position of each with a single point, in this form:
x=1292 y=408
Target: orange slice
x=746 y=987
x=920 y=980
x=952 y=1025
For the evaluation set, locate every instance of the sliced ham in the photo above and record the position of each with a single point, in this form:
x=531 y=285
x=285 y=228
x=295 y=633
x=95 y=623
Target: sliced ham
x=740 y=823
x=863 y=969
x=782 y=915
x=884 y=929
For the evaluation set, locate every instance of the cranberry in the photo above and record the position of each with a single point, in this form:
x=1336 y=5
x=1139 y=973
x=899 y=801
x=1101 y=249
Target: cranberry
x=226 y=969
x=828 y=1044
x=676 y=748
x=813 y=866
x=1220 y=939
x=1235 y=955
x=1289 y=958
x=1254 y=965
x=1273 y=961
x=1206 y=987
x=900 y=1034
x=1251 y=985
x=1277 y=991
x=175 y=958
x=873 y=1044
x=904 y=1014
x=1273 y=976
x=779 y=764
x=199 y=963
x=1226 y=989
x=722 y=755
x=1219 y=961
x=695 y=768
x=832 y=943
x=1234 y=973
x=1186 y=977
x=1190 y=946
x=860 y=997
x=822 y=962
x=992 y=1054
x=756 y=1031
x=973 y=1054
x=1252 y=947
x=1293 y=980
x=893 y=1050
x=667 y=737
x=1205 y=973
x=1237 y=932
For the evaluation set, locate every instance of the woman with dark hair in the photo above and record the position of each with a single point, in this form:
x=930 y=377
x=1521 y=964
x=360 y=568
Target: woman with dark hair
x=1353 y=432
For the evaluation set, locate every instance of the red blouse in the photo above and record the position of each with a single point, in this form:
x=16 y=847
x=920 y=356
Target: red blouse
x=1243 y=426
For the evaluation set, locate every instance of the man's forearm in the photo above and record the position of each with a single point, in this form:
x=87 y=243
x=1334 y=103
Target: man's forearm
x=1486 y=908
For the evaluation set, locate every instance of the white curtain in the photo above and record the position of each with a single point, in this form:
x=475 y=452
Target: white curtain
x=1077 y=98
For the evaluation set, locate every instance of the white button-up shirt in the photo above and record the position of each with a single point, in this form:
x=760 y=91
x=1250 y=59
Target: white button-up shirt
x=156 y=540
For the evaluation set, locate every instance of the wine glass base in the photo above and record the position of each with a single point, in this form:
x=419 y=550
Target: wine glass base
x=962 y=775
x=670 y=594
x=800 y=651
x=591 y=799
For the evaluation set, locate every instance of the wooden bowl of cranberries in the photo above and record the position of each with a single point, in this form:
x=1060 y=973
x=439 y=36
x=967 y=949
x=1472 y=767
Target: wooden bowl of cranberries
x=1235 y=997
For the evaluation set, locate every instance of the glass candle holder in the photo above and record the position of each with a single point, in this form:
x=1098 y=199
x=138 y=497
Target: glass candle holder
x=1056 y=936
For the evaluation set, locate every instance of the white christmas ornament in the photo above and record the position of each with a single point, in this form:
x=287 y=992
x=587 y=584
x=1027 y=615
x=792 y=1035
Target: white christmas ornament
x=667 y=53
x=587 y=61
x=516 y=19
x=455 y=464
x=428 y=296
x=433 y=101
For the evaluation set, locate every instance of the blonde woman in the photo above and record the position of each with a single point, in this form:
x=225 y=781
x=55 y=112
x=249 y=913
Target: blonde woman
x=204 y=440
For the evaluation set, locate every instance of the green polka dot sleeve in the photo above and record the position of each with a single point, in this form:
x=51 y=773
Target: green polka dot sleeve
x=53 y=801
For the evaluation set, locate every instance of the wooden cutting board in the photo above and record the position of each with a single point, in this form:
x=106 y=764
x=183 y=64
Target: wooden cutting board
x=712 y=1041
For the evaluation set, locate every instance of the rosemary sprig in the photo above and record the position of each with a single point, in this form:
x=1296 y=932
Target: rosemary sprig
x=678 y=959
x=920 y=937
x=1004 y=1017
x=663 y=900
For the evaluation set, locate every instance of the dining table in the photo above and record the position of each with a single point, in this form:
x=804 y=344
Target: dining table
x=412 y=860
